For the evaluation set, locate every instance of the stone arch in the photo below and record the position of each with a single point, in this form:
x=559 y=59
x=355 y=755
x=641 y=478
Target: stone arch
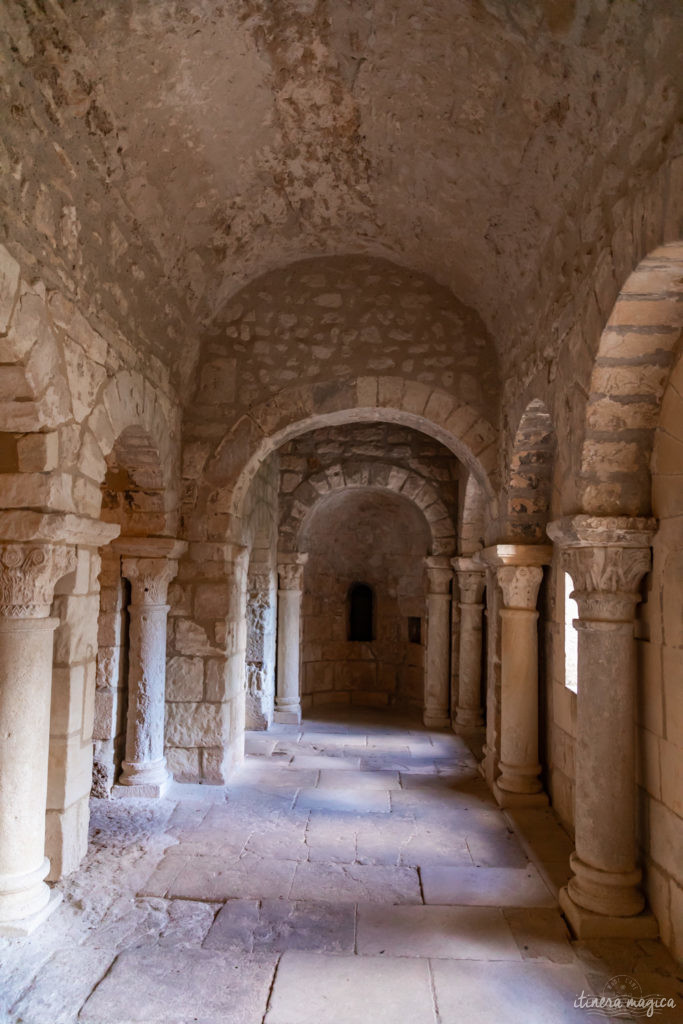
x=635 y=355
x=472 y=526
x=128 y=427
x=356 y=473
x=530 y=476
x=297 y=410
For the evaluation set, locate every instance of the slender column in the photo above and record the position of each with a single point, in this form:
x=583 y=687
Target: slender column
x=519 y=574
x=144 y=769
x=606 y=558
x=437 y=682
x=28 y=574
x=288 y=698
x=471 y=584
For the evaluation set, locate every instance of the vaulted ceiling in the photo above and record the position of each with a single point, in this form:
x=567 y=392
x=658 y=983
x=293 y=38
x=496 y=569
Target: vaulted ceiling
x=162 y=153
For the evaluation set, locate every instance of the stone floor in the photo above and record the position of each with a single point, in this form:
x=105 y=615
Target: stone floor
x=356 y=872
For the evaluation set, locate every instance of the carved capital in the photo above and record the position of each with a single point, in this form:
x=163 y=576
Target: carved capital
x=471 y=585
x=28 y=574
x=149 y=578
x=439 y=574
x=291 y=575
x=519 y=584
x=606 y=580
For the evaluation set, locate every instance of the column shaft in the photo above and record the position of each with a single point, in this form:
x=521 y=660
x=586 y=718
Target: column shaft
x=437 y=655
x=27 y=579
x=606 y=558
x=469 y=711
x=144 y=769
x=519 y=765
x=288 y=696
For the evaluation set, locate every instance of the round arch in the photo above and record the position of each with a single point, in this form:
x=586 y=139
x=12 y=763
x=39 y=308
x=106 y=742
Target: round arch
x=530 y=476
x=460 y=427
x=300 y=505
x=637 y=349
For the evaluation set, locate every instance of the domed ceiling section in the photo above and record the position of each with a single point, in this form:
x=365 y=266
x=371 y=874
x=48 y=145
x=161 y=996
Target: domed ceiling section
x=200 y=144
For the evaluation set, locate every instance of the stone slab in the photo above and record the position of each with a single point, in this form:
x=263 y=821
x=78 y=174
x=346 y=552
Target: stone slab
x=491 y=887
x=358 y=781
x=361 y=883
x=514 y=993
x=344 y=801
x=472 y=933
x=275 y=926
x=318 y=989
x=202 y=986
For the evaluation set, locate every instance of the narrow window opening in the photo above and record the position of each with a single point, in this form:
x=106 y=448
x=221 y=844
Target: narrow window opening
x=571 y=638
x=360 y=612
x=414 y=629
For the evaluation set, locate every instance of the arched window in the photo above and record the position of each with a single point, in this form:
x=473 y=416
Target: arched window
x=360 y=612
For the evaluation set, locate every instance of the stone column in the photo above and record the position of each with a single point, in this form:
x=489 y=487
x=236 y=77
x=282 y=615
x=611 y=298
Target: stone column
x=606 y=558
x=519 y=574
x=288 y=698
x=28 y=574
x=437 y=682
x=471 y=584
x=144 y=768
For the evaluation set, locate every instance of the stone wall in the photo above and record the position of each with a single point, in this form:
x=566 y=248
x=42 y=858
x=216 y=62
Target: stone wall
x=362 y=536
x=207 y=642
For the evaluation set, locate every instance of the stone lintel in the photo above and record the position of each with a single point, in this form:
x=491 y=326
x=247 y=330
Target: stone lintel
x=63 y=527
x=515 y=554
x=603 y=531
x=149 y=547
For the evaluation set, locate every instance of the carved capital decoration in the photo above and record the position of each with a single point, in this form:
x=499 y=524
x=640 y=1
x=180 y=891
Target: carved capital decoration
x=28 y=574
x=472 y=585
x=519 y=584
x=291 y=576
x=606 y=580
x=149 y=578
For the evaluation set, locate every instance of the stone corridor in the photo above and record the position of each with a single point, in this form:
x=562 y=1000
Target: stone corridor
x=357 y=871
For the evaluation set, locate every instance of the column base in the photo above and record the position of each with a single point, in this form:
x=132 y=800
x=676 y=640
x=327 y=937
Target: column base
x=585 y=924
x=466 y=720
x=287 y=717
x=461 y=729
x=505 y=798
x=436 y=720
x=27 y=925
x=141 y=790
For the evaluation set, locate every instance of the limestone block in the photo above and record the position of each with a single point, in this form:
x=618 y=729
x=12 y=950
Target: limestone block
x=672 y=676
x=13 y=384
x=87 y=498
x=647 y=762
x=85 y=377
x=211 y=600
x=38 y=453
x=194 y=725
x=666 y=839
x=671 y=760
x=66 y=837
x=184 y=679
x=69 y=771
x=90 y=460
x=46 y=490
x=76 y=636
x=9 y=287
x=106 y=702
x=214 y=768
x=191 y=638
x=65 y=315
x=183 y=763
x=78 y=581
x=66 y=707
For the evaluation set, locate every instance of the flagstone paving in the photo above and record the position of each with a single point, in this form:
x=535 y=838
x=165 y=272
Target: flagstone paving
x=354 y=872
